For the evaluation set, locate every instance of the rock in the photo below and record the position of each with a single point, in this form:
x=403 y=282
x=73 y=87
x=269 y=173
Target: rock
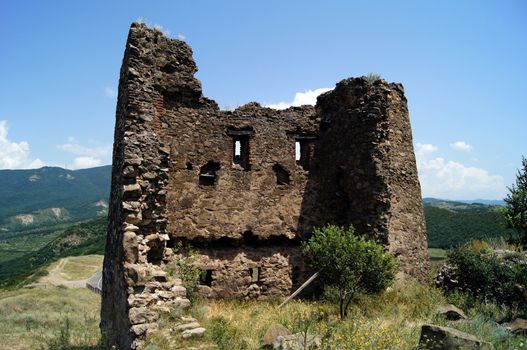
x=182 y=303
x=297 y=341
x=142 y=315
x=186 y=326
x=517 y=327
x=272 y=333
x=444 y=338
x=132 y=190
x=141 y=329
x=193 y=333
x=179 y=291
x=130 y=246
x=451 y=312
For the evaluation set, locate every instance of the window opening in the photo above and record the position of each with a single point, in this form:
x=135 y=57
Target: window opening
x=237 y=149
x=206 y=278
x=297 y=151
x=207 y=173
x=254 y=272
x=303 y=149
x=282 y=175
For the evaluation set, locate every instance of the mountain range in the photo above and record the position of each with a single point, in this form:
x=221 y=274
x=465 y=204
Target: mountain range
x=49 y=195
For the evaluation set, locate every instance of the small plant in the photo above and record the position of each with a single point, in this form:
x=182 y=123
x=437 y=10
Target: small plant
x=223 y=334
x=351 y=264
x=309 y=322
x=372 y=77
x=186 y=268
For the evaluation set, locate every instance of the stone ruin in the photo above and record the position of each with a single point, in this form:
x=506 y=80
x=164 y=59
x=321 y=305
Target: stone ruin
x=244 y=187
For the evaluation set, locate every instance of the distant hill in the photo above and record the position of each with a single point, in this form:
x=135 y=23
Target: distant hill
x=497 y=202
x=52 y=195
x=451 y=223
x=78 y=239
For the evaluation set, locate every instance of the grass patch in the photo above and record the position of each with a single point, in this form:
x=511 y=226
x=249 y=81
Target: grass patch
x=79 y=267
x=391 y=320
x=43 y=318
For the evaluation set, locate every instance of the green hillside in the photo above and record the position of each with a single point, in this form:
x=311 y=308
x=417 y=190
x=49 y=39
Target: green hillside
x=51 y=195
x=451 y=223
x=79 y=239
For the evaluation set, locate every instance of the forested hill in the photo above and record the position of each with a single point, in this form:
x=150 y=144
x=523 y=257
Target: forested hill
x=451 y=223
x=50 y=195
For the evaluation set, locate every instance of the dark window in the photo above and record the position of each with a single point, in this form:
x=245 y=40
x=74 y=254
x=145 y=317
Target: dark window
x=282 y=175
x=240 y=152
x=240 y=146
x=304 y=153
x=304 y=148
x=207 y=173
x=206 y=278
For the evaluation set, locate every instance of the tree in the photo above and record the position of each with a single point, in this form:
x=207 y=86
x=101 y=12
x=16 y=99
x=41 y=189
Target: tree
x=515 y=210
x=351 y=264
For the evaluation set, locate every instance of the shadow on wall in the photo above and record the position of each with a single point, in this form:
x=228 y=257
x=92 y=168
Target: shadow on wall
x=344 y=187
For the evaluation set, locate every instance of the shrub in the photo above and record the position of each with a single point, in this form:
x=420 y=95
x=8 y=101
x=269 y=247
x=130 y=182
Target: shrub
x=486 y=276
x=351 y=264
x=185 y=267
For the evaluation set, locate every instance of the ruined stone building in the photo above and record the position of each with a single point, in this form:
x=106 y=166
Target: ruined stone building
x=245 y=187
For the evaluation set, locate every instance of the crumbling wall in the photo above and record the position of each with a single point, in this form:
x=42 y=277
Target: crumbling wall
x=233 y=185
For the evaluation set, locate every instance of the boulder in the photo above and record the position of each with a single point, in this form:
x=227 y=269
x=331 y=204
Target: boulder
x=273 y=332
x=517 y=327
x=444 y=338
x=451 y=312
x=193 y=333
x=142 y=315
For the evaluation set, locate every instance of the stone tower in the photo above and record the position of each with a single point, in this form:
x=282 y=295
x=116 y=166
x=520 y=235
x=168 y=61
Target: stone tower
x=245 y=187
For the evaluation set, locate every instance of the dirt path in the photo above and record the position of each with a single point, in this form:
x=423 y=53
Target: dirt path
x=57 y=275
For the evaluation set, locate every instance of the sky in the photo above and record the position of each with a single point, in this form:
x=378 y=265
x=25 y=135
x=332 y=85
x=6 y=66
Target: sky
x=462 y=63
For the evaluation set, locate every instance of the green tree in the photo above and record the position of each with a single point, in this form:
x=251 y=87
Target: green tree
x=351 y=264
x=515 y=210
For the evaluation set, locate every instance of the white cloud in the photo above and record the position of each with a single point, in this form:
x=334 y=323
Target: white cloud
x=447 y=179
x=15 y=155
x=85 y=162
x=110 y=93
x=422 y=149
x=74 y=147
x=461 y=146
x=308 y=97
x=181 y=36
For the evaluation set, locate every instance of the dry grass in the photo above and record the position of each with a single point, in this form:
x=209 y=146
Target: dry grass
x=32 y=318
x=77 y=267
x=390 y=321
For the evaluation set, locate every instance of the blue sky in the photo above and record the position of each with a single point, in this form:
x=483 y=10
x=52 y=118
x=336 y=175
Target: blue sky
x=462 y=64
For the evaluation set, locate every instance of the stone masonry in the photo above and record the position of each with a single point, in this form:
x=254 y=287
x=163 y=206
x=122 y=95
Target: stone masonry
x=244 y=187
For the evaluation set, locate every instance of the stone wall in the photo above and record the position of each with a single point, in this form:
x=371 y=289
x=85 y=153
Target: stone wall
x=233 y=185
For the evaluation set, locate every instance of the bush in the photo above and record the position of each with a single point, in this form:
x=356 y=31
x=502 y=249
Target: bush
x=487 y=276
x=351 y=264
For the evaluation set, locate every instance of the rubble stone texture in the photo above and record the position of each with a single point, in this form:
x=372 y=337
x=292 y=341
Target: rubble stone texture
x=229 y=183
